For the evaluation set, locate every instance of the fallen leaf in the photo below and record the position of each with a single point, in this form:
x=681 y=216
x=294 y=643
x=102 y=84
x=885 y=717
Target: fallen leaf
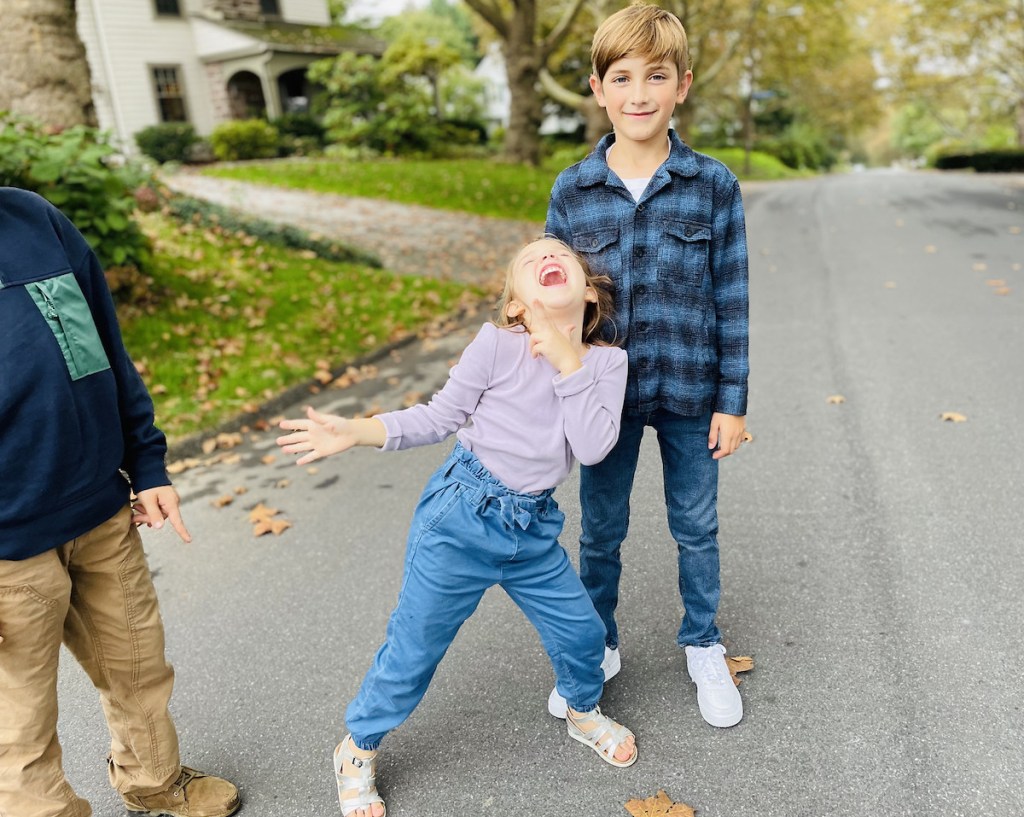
x=1002 y=291
x=953 y=417
x=890 y=285
x=835 y=399
x=282 y=483
x=979 y=266
x=266 y=459
x=996 y=282
x=931 y=248
x=221 y=501
x=312 y=470
x=738 y=663
x=261 y=512
x=658 y=806
x=241 y=489
x=209 y=445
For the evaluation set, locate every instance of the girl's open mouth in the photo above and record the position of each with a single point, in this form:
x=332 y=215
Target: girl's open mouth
x=552 y=275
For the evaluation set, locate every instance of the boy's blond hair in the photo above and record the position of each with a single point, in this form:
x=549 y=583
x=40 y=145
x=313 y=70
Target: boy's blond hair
x=640 y=30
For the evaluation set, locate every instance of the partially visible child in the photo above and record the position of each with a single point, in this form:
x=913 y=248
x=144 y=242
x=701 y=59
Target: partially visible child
x=541 y=392
x=666 y=225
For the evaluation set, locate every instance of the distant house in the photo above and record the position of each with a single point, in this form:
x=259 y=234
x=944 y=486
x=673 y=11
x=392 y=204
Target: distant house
x=204 y=61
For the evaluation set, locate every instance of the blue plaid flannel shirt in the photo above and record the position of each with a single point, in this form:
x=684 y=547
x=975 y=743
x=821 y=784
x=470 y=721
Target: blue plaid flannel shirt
x=678 y=258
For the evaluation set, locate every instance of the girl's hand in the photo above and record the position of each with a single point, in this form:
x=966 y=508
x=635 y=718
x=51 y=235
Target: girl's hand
x=551 y=341
x=318 y=436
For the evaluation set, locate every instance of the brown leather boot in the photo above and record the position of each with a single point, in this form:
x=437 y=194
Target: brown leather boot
x=192 y=794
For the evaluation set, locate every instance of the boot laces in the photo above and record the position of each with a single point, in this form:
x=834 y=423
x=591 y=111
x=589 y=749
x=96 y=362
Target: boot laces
x=187 y=776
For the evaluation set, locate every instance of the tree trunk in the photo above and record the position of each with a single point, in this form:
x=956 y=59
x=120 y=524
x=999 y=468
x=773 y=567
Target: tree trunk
x=44 y=73
x=596 y=119
x=522 y=62
x=1020 y=123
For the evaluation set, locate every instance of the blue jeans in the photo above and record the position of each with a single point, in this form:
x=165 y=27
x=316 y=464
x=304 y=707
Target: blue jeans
x=691 y=496
x=470 y=532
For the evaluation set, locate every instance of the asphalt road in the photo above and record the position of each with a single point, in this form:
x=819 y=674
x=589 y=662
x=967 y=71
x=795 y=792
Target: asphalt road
x=871 y=562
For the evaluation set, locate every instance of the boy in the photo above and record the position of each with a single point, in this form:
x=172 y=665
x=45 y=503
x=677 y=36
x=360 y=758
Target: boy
x=666 y=224
x=76 y=418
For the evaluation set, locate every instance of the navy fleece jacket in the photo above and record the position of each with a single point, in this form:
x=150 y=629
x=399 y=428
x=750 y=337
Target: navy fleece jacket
x=74 y=413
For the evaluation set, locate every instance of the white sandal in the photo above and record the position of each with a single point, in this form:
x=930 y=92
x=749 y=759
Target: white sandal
x=364 y=783
x=605 y=737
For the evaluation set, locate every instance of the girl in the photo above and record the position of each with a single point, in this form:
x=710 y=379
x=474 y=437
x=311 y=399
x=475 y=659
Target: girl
x=540 y=392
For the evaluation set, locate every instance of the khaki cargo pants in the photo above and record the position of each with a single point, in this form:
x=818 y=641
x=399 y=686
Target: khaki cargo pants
x=94 y=593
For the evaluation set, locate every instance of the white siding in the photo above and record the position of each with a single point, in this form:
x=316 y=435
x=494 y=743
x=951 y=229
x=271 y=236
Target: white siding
x=305 y=11
x=125 y=39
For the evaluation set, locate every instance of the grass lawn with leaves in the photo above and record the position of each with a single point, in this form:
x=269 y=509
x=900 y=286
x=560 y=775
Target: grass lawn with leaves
x=234 y=322
x=481 y=186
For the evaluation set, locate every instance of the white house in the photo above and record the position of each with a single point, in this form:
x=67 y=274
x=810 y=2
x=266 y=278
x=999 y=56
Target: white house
x=204 y=61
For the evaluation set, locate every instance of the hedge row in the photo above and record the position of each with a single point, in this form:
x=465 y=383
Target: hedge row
x=206 y=213
x=1009 y=160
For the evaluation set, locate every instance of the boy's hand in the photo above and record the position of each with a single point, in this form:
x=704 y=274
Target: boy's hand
x=726 y=434
x=324 y=434
x=152 y=506
x=551 y=341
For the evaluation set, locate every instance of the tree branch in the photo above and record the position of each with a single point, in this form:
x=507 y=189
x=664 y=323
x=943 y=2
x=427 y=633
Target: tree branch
x=491 y=15
x=558 y=33
x=562 y=95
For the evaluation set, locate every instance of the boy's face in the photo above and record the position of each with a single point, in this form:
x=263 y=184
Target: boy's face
x=640 y=96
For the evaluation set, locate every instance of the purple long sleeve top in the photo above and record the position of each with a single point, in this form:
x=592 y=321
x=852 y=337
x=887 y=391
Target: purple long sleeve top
x=528 y=422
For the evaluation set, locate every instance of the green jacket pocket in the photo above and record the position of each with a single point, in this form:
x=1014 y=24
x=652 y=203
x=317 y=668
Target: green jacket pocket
x=62 y=304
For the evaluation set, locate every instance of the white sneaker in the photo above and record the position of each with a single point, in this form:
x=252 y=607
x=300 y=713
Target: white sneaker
x=717 y=696
x=611 y=665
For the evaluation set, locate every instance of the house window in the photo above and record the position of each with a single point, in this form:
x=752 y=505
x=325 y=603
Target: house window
x=170 y=97
x=270 y=8
x=168 y=8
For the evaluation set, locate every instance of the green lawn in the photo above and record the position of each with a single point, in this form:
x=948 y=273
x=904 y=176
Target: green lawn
x=236 y=321
x=481 y=186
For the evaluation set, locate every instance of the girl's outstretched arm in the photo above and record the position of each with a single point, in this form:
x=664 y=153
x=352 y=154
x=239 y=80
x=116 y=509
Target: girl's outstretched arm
x=321 y=435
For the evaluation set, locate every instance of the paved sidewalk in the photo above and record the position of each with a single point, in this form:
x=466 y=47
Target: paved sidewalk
x=406 y=238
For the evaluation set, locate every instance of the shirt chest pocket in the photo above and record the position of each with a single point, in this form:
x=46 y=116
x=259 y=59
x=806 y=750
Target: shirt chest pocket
x=595 y=243
x=62 y=304
x=686 y=251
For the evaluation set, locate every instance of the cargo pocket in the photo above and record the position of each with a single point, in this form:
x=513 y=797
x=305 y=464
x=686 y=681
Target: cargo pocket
x=62 y=304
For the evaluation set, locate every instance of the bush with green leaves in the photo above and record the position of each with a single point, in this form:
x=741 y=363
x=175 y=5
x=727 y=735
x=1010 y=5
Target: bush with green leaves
x=167 y=142
x=208 y=214
x=245 y=139
x=80 y=172
x=1008 y=160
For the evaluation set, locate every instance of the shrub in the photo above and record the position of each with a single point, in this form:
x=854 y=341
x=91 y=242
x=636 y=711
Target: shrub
x=167 y=142
x=1010 y=160
x=208 y=214
x=244 y=139
x=300 y=125
x=80 y=172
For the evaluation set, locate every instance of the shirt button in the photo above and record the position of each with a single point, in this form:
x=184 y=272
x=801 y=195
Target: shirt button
x=639 y=252
x=593 y=242
x=690 y=231
x=640 y=207
x=641 y=290
x=642 y=326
